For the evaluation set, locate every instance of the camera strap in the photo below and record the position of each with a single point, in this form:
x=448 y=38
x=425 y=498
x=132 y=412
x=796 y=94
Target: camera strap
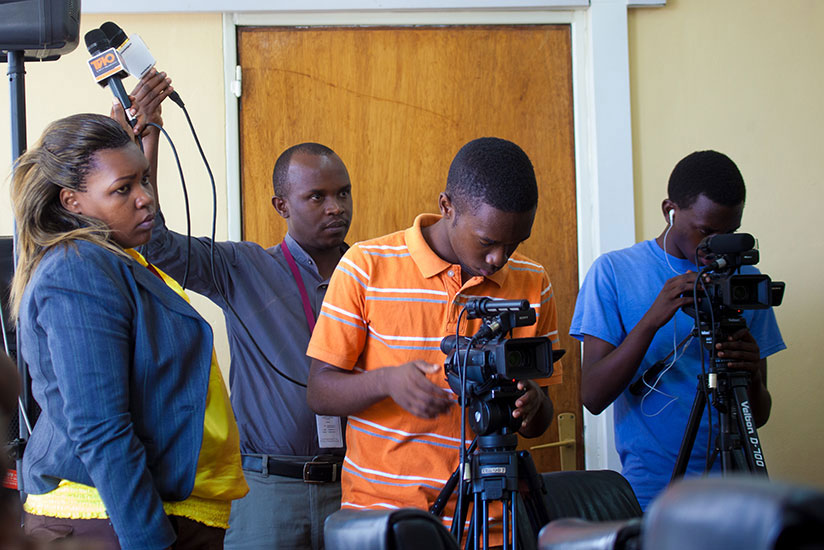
x=304 y=296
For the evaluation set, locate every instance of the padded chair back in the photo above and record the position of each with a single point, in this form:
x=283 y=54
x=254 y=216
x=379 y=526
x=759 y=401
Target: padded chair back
x=404 y=529
x=595 y=495
x=580 y=534
x=732 y=513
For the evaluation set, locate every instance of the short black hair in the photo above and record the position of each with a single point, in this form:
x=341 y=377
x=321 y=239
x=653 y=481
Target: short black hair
x=707 y=173
x=280 y=184
x=493 y=171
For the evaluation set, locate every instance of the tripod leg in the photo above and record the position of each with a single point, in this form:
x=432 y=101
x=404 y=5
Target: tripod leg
x=459 y=516
x=750 y=442
x=505 y=522
x=470 y=542
x=690 y=432
x=513 y=515
x=486 y=524
x=725 y=441
x=476 y=519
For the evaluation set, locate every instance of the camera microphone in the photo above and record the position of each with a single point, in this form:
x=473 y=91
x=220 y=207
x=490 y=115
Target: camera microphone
x=727 y=243
x=480 y=306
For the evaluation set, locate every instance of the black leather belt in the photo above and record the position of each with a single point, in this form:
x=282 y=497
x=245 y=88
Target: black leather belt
x=317 y=470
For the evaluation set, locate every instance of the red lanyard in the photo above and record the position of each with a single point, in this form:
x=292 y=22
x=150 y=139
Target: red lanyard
x=307 y=308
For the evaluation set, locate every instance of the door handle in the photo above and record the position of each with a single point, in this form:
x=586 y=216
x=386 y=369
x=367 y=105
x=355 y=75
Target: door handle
x=566 y=443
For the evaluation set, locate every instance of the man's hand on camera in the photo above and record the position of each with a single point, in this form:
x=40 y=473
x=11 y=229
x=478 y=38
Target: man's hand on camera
x=743 y=351
x=676 y=292
x=408 y=386
x=533 y=408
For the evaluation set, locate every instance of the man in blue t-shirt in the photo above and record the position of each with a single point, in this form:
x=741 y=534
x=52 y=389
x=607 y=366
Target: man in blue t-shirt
x=629 y=317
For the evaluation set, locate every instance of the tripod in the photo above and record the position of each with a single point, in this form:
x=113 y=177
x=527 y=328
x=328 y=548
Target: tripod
x=498 y=471
x=738 y=442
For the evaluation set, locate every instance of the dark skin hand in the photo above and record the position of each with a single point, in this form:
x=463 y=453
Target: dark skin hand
x=743 y=348
x=608 y=370
x=340 y=392
x=534 y=408
x=146 y=98
x=676 y=293
x=409 y=388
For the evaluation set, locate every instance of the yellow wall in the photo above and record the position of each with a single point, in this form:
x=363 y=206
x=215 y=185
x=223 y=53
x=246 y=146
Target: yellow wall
x=745 y=77
x=190 y=48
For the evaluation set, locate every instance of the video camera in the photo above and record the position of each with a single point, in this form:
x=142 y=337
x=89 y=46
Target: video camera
x=493 y=364
x=728 y=292
x=728 y=253
x=718 y=313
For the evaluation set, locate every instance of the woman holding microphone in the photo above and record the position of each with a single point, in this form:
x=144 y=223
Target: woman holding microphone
x=136 y=444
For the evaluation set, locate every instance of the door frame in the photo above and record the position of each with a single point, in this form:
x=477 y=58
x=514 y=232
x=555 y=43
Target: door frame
x=601 y=115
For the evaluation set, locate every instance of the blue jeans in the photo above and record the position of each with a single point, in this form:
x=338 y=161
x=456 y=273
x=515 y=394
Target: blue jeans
x=281 y=513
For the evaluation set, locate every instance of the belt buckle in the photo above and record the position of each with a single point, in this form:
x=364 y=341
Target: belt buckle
x=307 y=471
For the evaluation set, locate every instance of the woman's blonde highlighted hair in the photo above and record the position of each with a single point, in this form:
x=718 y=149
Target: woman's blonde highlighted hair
x=61 y=158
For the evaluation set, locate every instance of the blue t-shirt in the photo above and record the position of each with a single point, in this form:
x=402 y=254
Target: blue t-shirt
x=618 y=290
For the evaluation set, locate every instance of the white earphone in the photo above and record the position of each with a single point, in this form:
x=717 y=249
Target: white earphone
x=671 y=215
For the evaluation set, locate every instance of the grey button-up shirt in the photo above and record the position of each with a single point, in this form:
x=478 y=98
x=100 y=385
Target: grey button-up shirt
x=271 y=412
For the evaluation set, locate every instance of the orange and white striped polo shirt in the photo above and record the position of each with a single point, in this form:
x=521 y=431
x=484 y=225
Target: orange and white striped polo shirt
x=390 y=301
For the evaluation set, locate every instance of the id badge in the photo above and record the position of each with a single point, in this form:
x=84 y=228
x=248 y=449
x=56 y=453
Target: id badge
x=330 y=435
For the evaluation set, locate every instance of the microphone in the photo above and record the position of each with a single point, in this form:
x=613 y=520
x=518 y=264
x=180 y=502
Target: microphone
x=137 y=59
x=107 y=68
x=478 y=307
x=729 y=250
x=728 y=243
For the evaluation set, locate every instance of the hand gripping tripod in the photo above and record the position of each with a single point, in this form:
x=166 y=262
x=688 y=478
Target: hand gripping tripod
x=737 y=443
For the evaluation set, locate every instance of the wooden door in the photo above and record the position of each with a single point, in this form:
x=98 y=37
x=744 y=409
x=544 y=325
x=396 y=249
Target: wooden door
x=396 y=104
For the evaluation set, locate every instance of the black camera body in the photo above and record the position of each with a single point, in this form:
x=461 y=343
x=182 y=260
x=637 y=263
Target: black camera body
x=493 y=364
x=727 y=291
x=737 y=291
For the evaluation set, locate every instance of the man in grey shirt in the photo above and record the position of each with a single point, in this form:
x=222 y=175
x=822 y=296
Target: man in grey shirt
x=270 y=298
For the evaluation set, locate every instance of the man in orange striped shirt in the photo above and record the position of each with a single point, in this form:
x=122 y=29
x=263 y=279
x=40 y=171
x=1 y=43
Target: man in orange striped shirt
x=391 y=300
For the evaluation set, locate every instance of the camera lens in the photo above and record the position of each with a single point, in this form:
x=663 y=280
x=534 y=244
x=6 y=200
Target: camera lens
x=740 y=293
x=515 y=359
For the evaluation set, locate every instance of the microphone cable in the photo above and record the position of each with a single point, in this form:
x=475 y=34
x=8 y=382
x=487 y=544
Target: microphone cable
x=174 y=96
x=457 y=513
x=185 y=202
x=704 y=378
